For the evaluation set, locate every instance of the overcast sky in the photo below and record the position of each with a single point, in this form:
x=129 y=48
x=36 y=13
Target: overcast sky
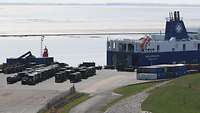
x=104 y=1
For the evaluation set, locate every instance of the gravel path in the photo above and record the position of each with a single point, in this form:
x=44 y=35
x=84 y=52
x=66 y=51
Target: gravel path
x=132 y=104
x=94 y=104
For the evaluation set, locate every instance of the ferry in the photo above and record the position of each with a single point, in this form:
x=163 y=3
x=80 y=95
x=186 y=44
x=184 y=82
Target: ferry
x=175 y=46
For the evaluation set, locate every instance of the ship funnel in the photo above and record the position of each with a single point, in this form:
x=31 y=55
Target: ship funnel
x=175 y=27
x=175 y=16
x=178 y=16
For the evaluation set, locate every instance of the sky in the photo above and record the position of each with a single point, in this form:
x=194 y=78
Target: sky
x=194 y=2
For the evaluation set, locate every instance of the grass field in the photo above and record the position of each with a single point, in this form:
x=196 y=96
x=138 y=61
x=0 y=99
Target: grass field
x=182 y=95
x=75 y=102
x=126 y=92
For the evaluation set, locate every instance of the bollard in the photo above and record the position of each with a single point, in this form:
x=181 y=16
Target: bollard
x=72 y=89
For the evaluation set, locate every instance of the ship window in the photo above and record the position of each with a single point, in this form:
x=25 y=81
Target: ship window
x=173 y=49
x=120 y=47
x=123 y=47
x=129 y=47
x=198 y=47
x=108 y=44
x=158 y=48
x=114 y=45
x=142 y=50
x=184 y=47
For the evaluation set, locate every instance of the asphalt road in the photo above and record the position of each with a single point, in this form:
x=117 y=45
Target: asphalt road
x=133 y=103
x=17 y=98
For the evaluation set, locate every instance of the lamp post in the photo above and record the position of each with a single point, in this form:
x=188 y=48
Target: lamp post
x=41 y=46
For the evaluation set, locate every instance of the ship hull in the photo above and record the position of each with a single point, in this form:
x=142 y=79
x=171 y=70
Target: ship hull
x=144 y=59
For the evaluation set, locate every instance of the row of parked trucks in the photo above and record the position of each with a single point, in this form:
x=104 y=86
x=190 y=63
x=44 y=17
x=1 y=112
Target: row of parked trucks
x=61 y=71
x=84 y=71
x=34 y=75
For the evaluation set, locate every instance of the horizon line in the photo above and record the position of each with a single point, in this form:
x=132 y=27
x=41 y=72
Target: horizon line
x=100 y=4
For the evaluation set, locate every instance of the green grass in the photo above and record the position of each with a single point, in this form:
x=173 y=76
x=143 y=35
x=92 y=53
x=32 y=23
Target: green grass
x=127 y=91
x=73 y=99
x=182 y=95
x=75 y=102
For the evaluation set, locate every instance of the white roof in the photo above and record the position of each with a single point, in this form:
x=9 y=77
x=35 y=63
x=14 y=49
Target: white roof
x=163 y=65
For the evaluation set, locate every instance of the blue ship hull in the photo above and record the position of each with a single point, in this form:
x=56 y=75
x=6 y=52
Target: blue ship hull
x=145 y=59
